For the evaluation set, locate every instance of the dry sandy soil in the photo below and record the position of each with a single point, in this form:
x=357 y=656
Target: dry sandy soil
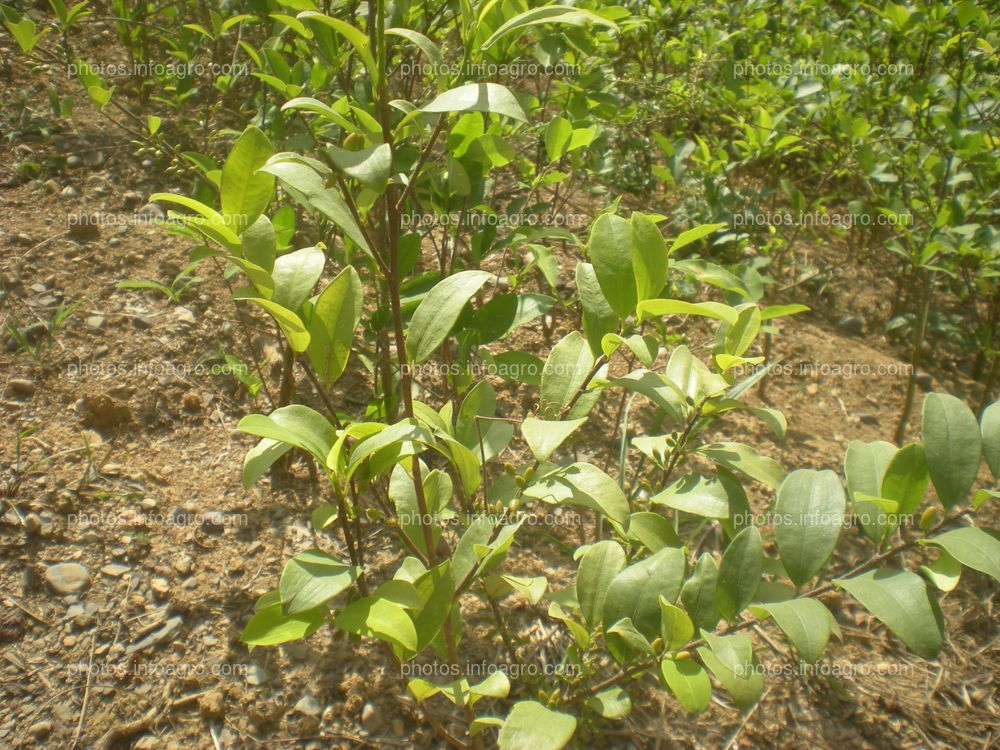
x=118 y=452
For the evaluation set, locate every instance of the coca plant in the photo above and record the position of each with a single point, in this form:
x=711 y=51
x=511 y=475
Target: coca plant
x=679 y=564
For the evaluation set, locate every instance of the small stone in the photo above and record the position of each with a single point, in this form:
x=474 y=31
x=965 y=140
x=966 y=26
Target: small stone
x=115 y=570
x=147 y=742
x=131 y=199
x=51 y=186
x=308 y=706
x=851 y=325
x=812 y=389
x=69 y=641
x=142 y=322
x=33 y=524
x=184 y=565
x=160 y=587
x=21 y=387
x=95 y=322
x=94 y=158
x=371 y=718
x=148 y=503
x=924 y=381
x=151 y=212
x=25 y=240
x=41 y=729
x=213 y=521
x=184 y=316
x=69 y=192
x=256 y=675
x=191 y=402
x=868 y=418
x=67 y=578
x=212 y=704
x=73 y=161
x=84 y=227
x=167 y=633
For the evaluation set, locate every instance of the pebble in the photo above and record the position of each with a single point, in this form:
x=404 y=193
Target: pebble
x=167 y=633
x=256 y=675
x=69 y=192
x=51 y=186
x=67 y=578
x=41 y=729
x=868 y=418
x=213 y=521
x=131 y=199
x=212 y=704
x=25 y=240
x=185 y=315
x=851 y=325
x=33 y=524
x=73 y=161
x=148 y=503
x=370 y=718
x=101 y=411
x=151 y=212
x=308 y=706
x=20 y=387
x=115 y=570
x=147 y=742
x=160 y=586
x=184 y=564
x=142 y=322
x=96 y=322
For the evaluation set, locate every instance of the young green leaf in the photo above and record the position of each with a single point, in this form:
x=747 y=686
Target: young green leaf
x=698 y=593
x=740 y=572
x=598 y=568
x=952 y=445
x=900 y=599
x=689 y=683
x=547 y=14
x=598 y=317
x=543 y=437
x=635 y=592
x=806 y=624
x=649 y=257
x=295 y=274
x=312 y=578
x=906 y=478
x=245 y=191
x=565 y=372
x=989 y=425
x=438 y=312
x=975 y=548
x=809 y=514
x=557 y=137
x=478 y=97
x=531 y=726
x=613 y=703
x=332 y=322
x=730 y=658
x=270 y=626
x=676 y=627
x=610 y=246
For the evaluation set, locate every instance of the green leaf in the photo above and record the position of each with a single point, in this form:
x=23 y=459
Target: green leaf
x=583 y=485
x=291 y=324
x=989 y=425
x=478 y=97
x=613 y=703
x=809 y=514
x=952 y=445
x=806 y=624
x=610 y=247
x=259 y=242
x=379 y=618
x=740 y=572
x=531 y=726
x=557 y=137
x=543 y=437
x=295 y=274
x=564 y=373
x=906 y=478
x=332 y=322
x=270 y=626
x=635 y=592
x=696 y=494
x=438 y=312
x=900 y=599
x=688 y=682
x=260 y=458
x=649 y=257
x=598 y=317
x=652 y=308
x=357 y=38
x=693 y=235
x=730 y=658
x=675 y=625
x=743 y=458
x=975 y=548
x=215 y=220
x=245 y=191
x=306 y=186
x=312 y=578
x=691 y=377
x=865 y=465
x=295 y=425
x=370 y=166
x=652 y=531
x=944 y=572
x=698 y=593
x=546 y=14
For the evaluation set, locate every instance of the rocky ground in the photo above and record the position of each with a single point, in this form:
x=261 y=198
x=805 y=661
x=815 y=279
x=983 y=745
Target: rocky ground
x=131 y=556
